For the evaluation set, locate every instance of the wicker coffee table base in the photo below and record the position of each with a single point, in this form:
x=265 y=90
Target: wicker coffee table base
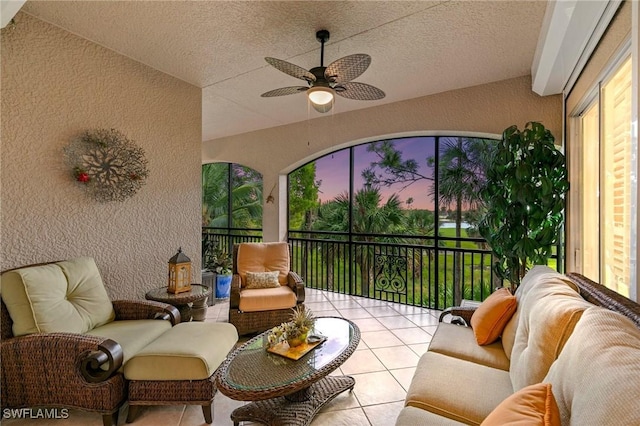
x=281 y=410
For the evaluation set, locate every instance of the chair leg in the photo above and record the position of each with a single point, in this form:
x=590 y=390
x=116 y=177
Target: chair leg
x=133 y=413
x=110 y=419
x=207 y=410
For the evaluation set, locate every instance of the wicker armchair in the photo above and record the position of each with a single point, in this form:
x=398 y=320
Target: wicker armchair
x=253 y=320
x=69 y=369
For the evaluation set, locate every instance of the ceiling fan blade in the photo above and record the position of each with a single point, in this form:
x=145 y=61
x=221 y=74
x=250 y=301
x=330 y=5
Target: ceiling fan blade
x=359 y=91
x=292 y=90
x=347 y=68
x=291 y=69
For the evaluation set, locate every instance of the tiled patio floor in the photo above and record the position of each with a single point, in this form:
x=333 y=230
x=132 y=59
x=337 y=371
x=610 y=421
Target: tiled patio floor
x=393 y=338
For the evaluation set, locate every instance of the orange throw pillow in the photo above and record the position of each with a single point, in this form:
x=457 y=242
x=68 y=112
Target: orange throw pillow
x=492 y=316
x=530 y=406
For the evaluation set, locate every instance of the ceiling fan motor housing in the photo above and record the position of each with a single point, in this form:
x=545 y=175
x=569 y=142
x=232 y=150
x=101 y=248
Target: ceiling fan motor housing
x=322 y=36
x=336 y=78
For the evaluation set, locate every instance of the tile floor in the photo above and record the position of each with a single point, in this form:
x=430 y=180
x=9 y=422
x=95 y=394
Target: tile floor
x=393 y=338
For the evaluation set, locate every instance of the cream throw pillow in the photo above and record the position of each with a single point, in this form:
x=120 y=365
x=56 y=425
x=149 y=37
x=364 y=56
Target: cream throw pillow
x=532 y=406
x=262 y=279
x=492 y=315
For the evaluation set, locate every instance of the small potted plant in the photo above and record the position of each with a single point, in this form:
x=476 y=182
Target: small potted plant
x=295 y=331
x=220 y=263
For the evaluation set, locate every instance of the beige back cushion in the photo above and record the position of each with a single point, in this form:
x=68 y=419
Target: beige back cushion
x=509 y=333
x=63 y=297
x=548 y=312
x=596 y=378
x=263 y=257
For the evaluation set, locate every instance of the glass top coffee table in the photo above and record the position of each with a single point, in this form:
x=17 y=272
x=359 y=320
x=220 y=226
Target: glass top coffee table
x=285 y=391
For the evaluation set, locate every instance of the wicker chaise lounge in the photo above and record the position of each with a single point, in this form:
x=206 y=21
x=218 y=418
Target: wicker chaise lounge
x=51 y=352
x=257 y=302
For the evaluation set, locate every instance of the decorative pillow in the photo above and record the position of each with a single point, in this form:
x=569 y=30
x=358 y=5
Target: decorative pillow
x=262 y=279
x=531 y=406
x=492 y=315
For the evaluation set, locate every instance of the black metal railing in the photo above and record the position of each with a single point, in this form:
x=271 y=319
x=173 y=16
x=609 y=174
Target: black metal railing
x=414 y=270
x=225 y=238
x=427 y=271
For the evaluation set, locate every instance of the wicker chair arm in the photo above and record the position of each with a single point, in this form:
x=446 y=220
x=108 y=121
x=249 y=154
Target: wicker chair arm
x=297 y=285
x=145 y=309
x=234 y=294
x=56 y=355
x=465 y=313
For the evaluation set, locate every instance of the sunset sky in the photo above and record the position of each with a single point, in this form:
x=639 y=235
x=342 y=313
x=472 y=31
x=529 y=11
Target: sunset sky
x=333 y=171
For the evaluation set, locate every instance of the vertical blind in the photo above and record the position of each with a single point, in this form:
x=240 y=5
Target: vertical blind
x=616 y=184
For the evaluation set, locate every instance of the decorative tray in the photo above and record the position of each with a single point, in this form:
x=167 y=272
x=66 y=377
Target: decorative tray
x=299 y=351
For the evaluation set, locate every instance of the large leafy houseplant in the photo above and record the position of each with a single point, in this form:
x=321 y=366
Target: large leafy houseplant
x=524 y=200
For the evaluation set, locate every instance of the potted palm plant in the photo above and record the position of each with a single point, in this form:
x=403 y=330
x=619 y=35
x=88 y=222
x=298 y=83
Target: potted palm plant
x=524 y=199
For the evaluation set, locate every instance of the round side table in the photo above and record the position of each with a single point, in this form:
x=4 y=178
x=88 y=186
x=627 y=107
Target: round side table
x=191 y=304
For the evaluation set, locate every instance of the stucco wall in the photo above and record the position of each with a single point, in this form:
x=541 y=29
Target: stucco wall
x=481 y=110
x=55 y=85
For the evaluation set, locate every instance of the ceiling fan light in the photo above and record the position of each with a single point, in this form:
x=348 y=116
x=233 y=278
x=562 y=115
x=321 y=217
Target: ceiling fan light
x=322 y=108
x=320 y=95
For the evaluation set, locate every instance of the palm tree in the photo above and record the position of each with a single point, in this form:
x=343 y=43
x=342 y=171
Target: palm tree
x=246 y=196
x=461 y=175
x=370 y=216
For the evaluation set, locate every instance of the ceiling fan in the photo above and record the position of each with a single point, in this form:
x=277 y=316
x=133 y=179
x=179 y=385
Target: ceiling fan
x=324 y=82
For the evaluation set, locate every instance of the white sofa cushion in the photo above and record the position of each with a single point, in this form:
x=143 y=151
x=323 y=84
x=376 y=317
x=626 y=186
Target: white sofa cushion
x=596 y=378
x=412 y=416
x=66 y=296
x=459 y=390
x=460 y=342
x=509 y=333
x=548 y=312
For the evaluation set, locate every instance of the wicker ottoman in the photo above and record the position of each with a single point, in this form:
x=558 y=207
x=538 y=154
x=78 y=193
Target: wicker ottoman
x=178 y=368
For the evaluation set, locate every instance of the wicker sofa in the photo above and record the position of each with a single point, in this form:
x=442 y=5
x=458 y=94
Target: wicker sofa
x=567 y=331
x=65 y=344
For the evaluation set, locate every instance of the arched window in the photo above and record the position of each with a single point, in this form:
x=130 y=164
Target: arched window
x=394 y=220
x=231 y=206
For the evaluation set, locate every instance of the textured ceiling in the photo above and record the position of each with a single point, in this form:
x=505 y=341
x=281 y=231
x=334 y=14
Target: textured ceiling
x=417 y=48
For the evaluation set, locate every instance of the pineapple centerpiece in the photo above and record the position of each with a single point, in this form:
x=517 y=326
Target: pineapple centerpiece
x=295 y=331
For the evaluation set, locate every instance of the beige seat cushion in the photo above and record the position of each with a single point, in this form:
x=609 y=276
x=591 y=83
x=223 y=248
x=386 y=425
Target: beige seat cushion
x=62 y=297
x=596 y=378
x=460 y=342
x=468 y=396
x=263 y=257
x=188 y=351
x=548 y=313
x=267 y=299
x=412 y=416
x=132 y=335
